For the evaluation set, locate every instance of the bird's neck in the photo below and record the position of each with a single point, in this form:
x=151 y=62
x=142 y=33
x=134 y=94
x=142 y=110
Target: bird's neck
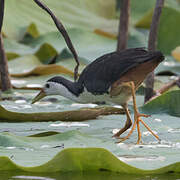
x=70 y=90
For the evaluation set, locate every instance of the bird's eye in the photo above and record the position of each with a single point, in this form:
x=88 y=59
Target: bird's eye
x=47 y=86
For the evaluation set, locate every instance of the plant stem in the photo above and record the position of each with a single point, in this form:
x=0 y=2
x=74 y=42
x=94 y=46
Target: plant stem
x=64 y=33
x=152 y=42
x=4 y=74
x=123 y=25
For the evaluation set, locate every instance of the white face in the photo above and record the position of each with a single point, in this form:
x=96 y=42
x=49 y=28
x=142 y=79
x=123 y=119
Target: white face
x=52 y=88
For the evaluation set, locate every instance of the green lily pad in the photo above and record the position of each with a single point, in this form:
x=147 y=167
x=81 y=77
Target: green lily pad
x=33 y=151
x=89 y=45
x=168 y=38
x=86 y=159
x=14 y=49
x=168 y=102
x=139 y=10
x=23 y=64
x=72 y=13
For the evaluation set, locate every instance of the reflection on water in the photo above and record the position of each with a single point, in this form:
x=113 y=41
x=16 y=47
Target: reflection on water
x=84 y=176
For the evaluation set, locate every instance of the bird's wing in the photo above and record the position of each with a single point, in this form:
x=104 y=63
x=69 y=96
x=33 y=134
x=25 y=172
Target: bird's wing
x=98 y=76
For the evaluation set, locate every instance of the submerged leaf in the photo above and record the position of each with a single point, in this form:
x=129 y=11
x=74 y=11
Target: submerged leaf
x=146 y=20
x=46 y=52
x=32 y=31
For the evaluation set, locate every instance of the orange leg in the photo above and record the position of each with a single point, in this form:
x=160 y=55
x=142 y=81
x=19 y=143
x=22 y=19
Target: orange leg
x=127 y=125
x=137 y=119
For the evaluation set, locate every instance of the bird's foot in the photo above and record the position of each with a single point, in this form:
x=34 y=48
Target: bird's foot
x=139 y=141
x=118 y=137
x=136 y=123
x=143 y=115
x=118 y=134
x=147 y=127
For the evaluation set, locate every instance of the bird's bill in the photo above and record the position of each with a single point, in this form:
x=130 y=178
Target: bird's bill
x=39 y=96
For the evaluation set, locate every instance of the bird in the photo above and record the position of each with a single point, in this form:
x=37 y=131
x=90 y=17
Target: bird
x=111 y=78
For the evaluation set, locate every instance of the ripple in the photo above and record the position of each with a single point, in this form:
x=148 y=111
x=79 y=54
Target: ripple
x=18 y=82
x=11 y=147
x=170 y=64
x=158 y=120
x=20 y=101
x=150 y=145
x=70 y=124
x=176 y=130
x=147 y=133
x=45 y=146
x=34 y=85
x=127 y=158
x=84 y=105
x=43 y=103
x=32 y=178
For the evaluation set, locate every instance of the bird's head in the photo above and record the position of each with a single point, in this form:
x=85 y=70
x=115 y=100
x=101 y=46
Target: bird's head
x=55 y=86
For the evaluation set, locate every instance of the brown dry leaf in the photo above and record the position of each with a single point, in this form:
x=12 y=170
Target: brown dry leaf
x=106 y=34
x=45 y=70
x=176 y=53
x=75 y=115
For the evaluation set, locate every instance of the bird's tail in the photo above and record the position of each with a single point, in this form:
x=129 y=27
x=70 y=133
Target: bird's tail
x=157 y=55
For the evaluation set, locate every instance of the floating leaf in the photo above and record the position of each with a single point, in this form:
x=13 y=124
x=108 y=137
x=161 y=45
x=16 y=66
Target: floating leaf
x=76 y=115
x=138 y=11
x=85 y=159
x=72 y=13
x=23 y=64
x=168 y=102
x=89 y=45
x=44 y=70
x=168 y=28
x=14 y=49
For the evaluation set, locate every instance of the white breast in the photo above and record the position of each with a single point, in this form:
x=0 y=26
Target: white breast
x=87 y=97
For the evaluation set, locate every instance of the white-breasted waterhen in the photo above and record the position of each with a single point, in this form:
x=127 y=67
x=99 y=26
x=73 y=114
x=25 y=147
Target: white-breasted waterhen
x=111 y=78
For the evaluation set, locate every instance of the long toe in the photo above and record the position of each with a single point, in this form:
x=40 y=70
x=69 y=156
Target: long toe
x=147 y=127
x=143 y=115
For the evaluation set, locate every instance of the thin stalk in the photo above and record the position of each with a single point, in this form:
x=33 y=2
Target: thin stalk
x=64 y=33
x=123 y=25
x=152 y=43
x=4 y=74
